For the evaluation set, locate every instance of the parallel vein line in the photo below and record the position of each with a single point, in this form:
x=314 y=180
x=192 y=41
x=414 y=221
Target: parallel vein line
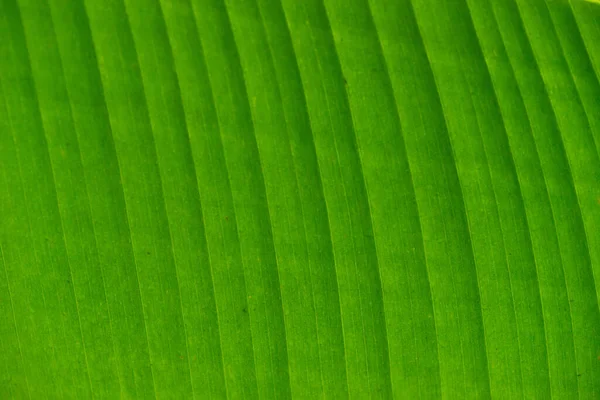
x=552 y=207
x=301 y=202
x=322 y=190
x=338 y=169
x=589 y=130
x=162 y=189
x=590 y=63
x=55 y=196
x=493 y=186
x=463 y=208
x=363 y=188
x=513 y=170
x=230 y=187
x=14 y=320
x=86 y=192
x=29 y=230
x=117 y=43
x=522 y=199
x=198 y=192
x=504 y=250
x=255 y=144
x=412 y=183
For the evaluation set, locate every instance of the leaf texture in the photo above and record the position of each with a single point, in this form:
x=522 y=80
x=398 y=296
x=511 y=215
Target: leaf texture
x=299 y=199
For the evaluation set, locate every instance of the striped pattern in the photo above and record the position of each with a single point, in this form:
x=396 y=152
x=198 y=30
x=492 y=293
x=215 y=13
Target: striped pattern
x=299 y=199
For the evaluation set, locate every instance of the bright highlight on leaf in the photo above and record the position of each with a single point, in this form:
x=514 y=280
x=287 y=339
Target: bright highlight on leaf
x=308 y=199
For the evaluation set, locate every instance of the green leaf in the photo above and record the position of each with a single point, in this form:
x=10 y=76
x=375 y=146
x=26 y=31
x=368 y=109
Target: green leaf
x=299 y=199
